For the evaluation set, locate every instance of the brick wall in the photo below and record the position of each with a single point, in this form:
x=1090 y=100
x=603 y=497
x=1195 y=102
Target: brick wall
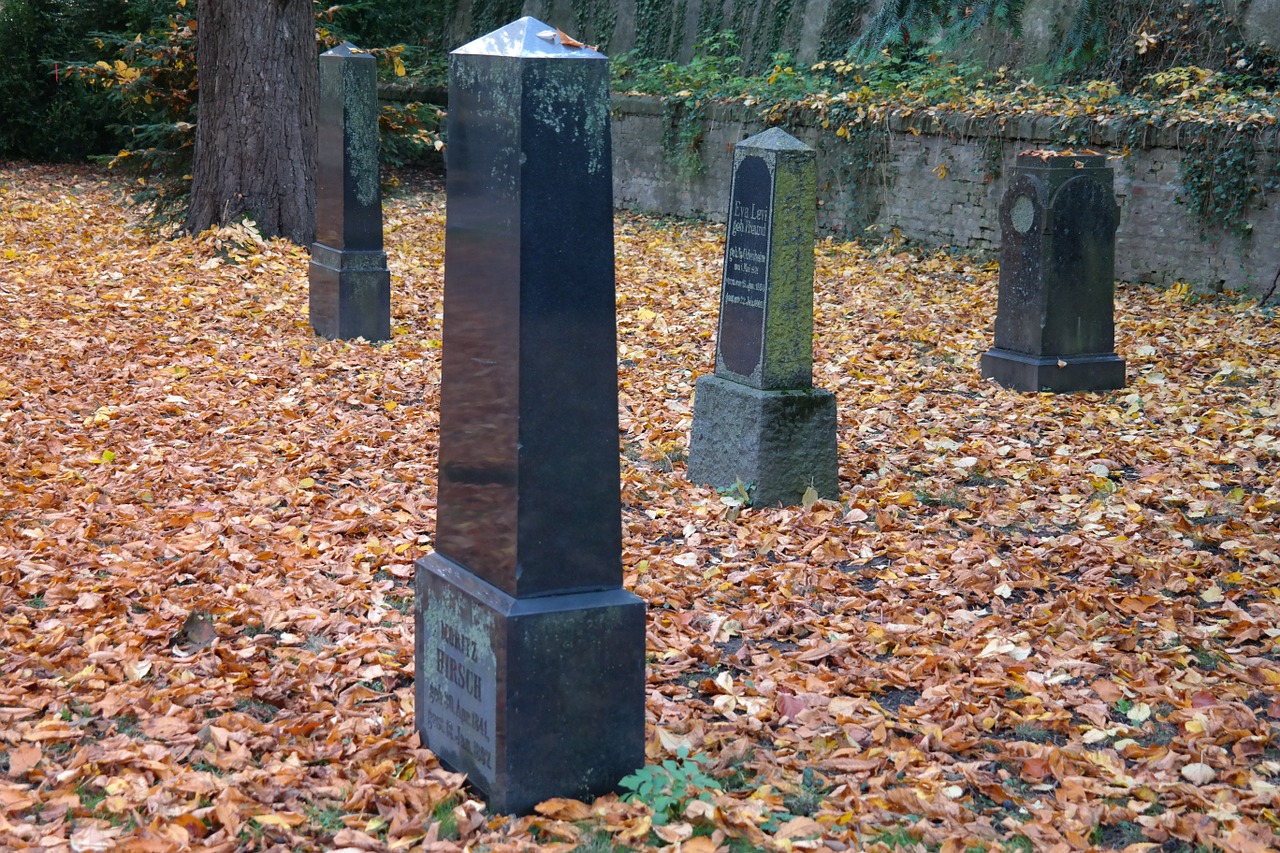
x=1159 y=241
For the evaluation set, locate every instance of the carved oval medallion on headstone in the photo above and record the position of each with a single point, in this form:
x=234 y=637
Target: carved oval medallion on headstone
x=1023 y=214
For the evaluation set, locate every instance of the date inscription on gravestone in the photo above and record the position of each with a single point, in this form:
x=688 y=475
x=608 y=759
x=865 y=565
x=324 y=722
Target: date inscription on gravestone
x=461 y=690
x=746 y=267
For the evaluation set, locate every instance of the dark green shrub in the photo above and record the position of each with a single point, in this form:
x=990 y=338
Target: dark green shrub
x=47 y=113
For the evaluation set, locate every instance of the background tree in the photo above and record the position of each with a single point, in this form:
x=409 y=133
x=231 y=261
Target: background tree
x=255 y=134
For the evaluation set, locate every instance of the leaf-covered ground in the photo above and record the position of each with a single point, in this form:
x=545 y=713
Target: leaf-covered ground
x=1031 y=622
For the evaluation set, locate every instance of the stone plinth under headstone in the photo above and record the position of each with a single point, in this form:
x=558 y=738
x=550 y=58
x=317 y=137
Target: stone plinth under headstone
x=1054 y=317
x=529 y=654
x=350 y=294
x=759 y=421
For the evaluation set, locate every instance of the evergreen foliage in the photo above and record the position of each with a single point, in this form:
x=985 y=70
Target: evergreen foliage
x=46 y=113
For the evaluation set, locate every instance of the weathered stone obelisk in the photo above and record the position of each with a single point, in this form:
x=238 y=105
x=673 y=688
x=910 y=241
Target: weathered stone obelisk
x=529 y=654
x=1055 y=326
x=350 y=293
x=759 y=421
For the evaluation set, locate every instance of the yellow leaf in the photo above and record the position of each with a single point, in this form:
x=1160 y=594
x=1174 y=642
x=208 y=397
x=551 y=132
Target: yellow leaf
x=809 y=498
x=1212 y=595
x=673 y=833
x=306 y=483
x=672 y=742
x=390 y=405
x=137 y=670
x=399 y=66
x=940 y=170
x=283 y=821
x=560 y=808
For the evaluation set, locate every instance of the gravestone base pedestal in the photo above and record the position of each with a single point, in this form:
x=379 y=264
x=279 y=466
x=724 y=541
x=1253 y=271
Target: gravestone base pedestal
x=1060 y=374
x=532 y=698
x=350 y=294
x=778 y=442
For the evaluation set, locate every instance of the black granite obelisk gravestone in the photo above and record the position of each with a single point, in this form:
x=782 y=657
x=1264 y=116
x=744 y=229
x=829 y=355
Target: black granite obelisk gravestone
x=350 y=284
x=1054 y=313
x=759 y=420
x=529 y=654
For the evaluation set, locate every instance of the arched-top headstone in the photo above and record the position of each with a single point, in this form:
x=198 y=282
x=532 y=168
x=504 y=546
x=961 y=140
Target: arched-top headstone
x=1054 y=326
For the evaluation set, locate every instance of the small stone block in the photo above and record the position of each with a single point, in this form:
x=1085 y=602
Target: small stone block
x=778 y=443
x=350 y=294
x=531 y=698
x=1070 y=373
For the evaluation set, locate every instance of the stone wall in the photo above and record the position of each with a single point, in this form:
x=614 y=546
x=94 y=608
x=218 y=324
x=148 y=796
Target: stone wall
x=941 y=185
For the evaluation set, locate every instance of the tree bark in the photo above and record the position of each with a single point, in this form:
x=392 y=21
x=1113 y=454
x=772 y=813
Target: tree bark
x=255 y=148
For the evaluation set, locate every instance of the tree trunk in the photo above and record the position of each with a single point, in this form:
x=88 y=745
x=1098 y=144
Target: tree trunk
x=255 y=148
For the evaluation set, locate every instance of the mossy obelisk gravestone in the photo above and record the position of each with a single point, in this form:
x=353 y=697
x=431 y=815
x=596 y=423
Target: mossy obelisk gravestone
x=529 y=655
x=350 y=294
x=1055 y=327
x=758 y=420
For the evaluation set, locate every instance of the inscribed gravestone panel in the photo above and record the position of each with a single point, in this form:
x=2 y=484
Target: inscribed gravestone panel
x=746 y=268
x=460 y=715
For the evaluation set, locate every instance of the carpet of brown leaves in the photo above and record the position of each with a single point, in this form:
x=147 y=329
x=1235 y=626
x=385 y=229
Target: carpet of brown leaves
x=1032 y=622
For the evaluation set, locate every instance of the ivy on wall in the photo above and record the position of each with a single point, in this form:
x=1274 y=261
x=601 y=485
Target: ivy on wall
x=489 y=15
x=596 y=20
x=843 y=27
x=656 y=27
x=1224 y=176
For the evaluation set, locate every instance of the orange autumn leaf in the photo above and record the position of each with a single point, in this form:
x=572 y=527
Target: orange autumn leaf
x=568 y=41
x=23 y=758
x=563 y=809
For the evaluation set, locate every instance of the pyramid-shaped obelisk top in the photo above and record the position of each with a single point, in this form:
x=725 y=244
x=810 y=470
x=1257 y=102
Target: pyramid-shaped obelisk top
x=346 y=49
x=774 y=139
x=528 y=37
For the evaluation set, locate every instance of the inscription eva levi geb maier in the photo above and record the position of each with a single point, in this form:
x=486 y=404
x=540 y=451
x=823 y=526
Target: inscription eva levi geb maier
x=746 y=267
x=461 y=711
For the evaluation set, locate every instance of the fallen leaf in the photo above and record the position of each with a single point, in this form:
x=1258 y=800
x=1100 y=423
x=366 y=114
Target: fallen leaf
x=1212 y=595
x=1198 y=773
x=563 y=809
x=23 y=758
